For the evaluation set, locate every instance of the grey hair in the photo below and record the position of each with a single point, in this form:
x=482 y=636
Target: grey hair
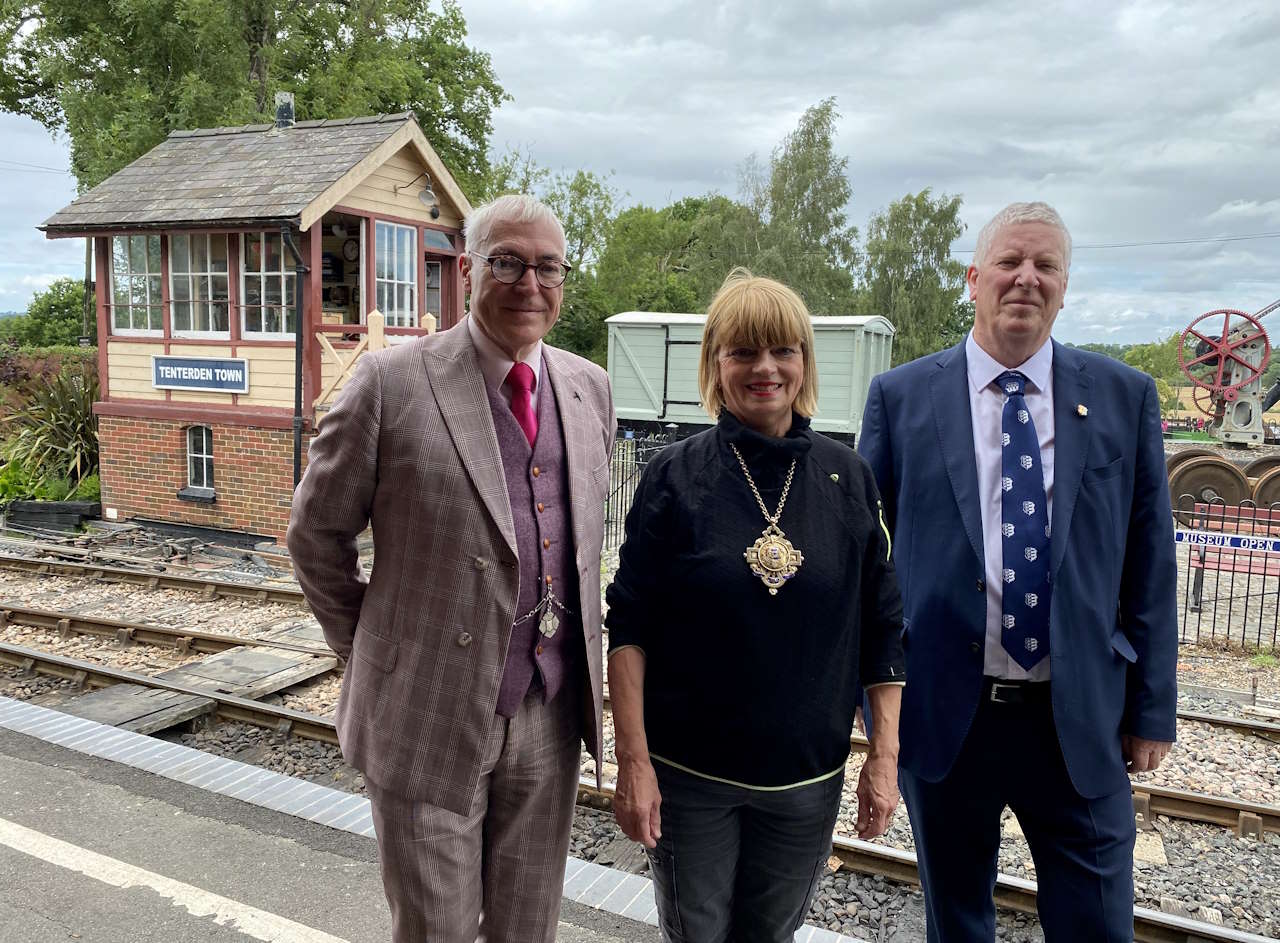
x=509 y=208
x=1023 y=213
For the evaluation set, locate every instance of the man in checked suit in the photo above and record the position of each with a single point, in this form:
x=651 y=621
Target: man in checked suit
x=1024 y=483
x=481 y=457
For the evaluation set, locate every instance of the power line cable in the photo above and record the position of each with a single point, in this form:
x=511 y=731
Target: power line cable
x=1165 y=242
x=18 y=163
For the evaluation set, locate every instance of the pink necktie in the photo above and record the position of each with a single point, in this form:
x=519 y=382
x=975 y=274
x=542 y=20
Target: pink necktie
x=520 y=379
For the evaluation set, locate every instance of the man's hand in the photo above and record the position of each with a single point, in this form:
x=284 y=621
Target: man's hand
x=1142 y=756
x=877 y=794
x=636 y=801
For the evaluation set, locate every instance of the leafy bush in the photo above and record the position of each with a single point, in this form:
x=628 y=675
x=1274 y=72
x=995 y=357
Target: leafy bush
x=18 y=483
x=55 y=432
x=90 y=489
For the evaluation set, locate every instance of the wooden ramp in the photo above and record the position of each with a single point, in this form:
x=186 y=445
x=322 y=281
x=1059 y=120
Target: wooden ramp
x=142 y=710
x=250 y=673
x=297 y=632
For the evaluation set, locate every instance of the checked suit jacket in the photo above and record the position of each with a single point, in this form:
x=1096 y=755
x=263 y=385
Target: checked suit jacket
x=1113 y=615
x=410 y=447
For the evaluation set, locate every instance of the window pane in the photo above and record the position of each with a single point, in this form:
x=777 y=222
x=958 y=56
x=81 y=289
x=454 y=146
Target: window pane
x=402 y=254
x=179 y=254
x=181 y=316
x=153 y=286
x=208 y=470
x=433 y=301
x=200 y=254
x=252 y=252
x=435 y=239
x=433 y=275
x=273 y=253
x=120 y=319
x=120 y=292
x=271 y=320
x=138 y=254
x=272 y=289
x=138 y=289
x=157 y=318
x=289 y=284
x=120 y=255
x=153 y=253
x=193 y=471
x=382 y=297
x=382 y=251
x=181 y=289
x=221 y=319
x=290 y=322
x=218 y=253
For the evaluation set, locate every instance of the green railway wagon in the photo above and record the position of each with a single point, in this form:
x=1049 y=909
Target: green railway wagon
x=653 y=366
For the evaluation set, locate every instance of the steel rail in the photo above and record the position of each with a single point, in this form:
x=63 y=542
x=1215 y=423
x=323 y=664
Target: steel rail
x=124 y=631
x=1012 y=893
x=210 y=588
x=228 y=706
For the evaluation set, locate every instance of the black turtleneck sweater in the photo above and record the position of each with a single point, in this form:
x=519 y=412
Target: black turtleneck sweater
x=741 y=685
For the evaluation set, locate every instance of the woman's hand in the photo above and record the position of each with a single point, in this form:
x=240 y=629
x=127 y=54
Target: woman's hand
x=636 y=802
x=877 y=795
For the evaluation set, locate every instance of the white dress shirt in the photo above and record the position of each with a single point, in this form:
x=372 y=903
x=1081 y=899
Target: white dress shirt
x=495 y=364
x=986 y=406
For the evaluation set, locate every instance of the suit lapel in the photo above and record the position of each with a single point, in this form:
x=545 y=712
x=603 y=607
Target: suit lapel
x=949 y=395
x=458 y=385
x=1070 y=444
x=564 y=384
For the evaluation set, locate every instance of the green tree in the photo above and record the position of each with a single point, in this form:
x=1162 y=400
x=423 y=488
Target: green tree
x=117 y=77
x=55 y=317
x=808 y=242
x=908 y=274
x=1158 y=359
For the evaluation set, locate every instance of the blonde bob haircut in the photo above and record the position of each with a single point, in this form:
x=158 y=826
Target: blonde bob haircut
x=749 y=311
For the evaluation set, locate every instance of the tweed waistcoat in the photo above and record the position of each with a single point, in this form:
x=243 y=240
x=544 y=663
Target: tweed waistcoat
x=538 y=486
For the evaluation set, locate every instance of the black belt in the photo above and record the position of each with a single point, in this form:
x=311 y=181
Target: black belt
x=1004 y=691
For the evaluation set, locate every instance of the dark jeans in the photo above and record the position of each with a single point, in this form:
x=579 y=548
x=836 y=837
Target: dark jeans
x=738 y=865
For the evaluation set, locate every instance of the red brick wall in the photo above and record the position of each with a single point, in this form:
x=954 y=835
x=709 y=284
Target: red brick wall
x=144 y=464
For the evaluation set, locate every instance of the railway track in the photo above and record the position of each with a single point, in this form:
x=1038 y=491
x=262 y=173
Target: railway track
x=864 y=857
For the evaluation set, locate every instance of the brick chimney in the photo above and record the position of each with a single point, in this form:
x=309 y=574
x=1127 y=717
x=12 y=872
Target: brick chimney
x=284 y=110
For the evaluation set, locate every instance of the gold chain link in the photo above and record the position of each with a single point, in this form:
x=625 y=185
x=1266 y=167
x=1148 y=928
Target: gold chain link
x=786 y=488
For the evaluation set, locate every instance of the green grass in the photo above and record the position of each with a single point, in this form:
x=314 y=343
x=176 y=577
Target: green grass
x=1190 y=437
x=1264 y=661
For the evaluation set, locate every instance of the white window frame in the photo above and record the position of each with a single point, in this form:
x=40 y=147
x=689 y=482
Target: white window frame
x=147 y=274
x=192 y=278
x=198 y=452
x=286 y=288
x=385 y=275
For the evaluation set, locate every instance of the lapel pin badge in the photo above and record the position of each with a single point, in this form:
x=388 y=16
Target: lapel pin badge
x=1082 y=410
x=835 y=477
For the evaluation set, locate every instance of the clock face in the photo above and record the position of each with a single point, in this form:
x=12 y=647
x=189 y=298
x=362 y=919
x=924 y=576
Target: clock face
x=351 y=250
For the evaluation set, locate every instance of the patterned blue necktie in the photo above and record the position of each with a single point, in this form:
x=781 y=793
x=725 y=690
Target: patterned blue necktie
x=1024 y=513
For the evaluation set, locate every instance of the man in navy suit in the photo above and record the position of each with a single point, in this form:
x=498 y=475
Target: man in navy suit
x=1024 y=483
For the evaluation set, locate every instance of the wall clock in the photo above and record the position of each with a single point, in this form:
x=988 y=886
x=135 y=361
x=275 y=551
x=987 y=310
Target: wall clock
x=351 y=250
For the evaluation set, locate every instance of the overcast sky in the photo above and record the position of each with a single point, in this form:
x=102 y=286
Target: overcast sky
x=1140 y=121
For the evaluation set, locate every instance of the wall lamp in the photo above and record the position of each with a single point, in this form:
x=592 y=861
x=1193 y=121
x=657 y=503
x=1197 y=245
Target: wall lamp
x=427 y=196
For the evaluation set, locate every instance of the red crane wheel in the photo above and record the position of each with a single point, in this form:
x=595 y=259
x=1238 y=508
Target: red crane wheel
x=1210 y=344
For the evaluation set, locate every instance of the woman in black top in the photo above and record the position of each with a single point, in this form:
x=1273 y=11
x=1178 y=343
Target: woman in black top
x=754 y=594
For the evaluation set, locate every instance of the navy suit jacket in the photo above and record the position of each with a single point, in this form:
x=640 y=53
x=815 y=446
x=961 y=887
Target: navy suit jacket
x=1113 y=619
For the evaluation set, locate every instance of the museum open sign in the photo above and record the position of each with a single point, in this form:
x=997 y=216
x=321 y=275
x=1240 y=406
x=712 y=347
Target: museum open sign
x=208 y=374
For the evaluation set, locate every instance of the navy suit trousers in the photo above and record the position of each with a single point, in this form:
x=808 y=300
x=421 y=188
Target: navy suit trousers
x=1082 y=848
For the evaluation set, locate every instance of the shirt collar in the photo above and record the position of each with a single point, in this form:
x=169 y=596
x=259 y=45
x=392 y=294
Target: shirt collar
x=983 y=368
x=494 y=362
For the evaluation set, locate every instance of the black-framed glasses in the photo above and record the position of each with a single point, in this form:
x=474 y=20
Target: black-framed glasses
x=509 y=269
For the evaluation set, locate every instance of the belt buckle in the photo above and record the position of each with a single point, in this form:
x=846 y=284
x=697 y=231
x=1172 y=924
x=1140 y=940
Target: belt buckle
x=996 y=697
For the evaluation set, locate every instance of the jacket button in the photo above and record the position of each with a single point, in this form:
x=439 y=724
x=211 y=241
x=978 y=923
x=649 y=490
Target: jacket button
x=481 y=563
x=536 y=471
x=975 y=647
x=539 y=507
x=546 y=542
x=982 y=586
x=463 y=639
